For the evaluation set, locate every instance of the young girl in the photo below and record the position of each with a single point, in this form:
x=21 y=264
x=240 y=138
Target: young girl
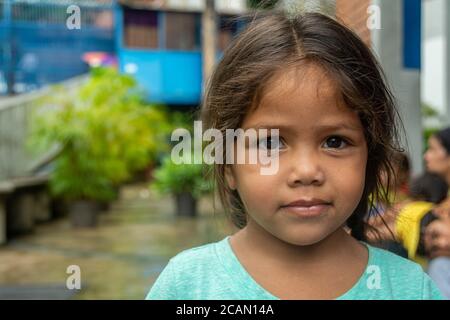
x=315 y=81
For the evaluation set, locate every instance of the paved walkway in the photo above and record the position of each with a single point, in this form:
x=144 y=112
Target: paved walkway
x=119 y=259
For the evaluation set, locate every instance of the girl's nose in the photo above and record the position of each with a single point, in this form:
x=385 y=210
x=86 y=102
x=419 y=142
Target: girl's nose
x=305 y=170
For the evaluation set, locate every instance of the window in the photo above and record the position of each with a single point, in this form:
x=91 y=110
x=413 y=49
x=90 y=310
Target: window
x=140 y=28
x=182 y=31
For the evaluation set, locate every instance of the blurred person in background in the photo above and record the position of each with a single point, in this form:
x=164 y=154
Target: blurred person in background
x=417 y=224
x=437 y=233
x=382 y=218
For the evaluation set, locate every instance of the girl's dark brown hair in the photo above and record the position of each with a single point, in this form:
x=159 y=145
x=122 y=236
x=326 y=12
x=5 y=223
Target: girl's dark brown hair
x=274 y=40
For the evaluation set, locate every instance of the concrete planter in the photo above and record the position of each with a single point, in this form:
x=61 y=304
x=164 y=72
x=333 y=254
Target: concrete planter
x=186 y=205
x=84 y=213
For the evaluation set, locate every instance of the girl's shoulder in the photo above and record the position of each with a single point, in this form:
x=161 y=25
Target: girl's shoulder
x=201 y=260
x=391 y=261
x=398 y=277
x=195 y=273
x=203 y=252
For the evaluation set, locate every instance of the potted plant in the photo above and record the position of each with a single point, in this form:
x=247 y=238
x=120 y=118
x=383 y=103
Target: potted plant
x=185 y=182
x=105 y=133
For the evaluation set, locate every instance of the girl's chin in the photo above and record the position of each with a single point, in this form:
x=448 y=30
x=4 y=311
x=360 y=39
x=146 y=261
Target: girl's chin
x=304 y=240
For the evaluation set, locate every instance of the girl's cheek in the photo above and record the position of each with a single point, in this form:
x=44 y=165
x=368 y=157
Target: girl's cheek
x=230 y=178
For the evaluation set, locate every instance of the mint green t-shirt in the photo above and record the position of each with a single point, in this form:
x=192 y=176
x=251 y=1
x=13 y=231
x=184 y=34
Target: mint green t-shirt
x=213 y=272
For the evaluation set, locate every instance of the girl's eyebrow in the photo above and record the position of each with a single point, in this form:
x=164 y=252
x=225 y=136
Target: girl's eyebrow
x=337 y=126
x=324 y=127
x=268 y=126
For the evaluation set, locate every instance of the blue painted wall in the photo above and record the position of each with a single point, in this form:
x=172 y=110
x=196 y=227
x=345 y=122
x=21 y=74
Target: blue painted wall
x=412 y=33
x=170 y=77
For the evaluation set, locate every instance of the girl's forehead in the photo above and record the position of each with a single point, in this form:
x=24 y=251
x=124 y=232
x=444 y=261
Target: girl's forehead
x=302 y=93
x=308 y=84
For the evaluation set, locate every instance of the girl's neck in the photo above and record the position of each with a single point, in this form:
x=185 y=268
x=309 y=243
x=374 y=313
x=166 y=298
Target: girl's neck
x=253 y=238
x=324 y=270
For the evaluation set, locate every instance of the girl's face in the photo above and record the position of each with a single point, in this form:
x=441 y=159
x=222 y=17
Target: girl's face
x=322 y=155
x=436 y=157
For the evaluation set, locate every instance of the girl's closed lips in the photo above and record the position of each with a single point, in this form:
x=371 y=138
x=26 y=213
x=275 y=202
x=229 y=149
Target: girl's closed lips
x=307 y=208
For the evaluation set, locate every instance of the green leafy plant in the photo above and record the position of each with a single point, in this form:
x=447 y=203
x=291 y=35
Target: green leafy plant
x=172 y=178
x=175 y=179
x=428 y=111
x=104 y=131
x=434 y=121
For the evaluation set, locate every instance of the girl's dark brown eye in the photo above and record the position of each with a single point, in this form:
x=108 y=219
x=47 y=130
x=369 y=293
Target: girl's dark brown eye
x=335 y=142
x=270 y=143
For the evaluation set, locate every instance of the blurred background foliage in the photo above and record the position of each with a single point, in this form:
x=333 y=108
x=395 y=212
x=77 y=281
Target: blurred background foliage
x=105 y=132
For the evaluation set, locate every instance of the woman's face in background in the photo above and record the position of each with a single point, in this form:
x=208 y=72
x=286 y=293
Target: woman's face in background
x=436 y=158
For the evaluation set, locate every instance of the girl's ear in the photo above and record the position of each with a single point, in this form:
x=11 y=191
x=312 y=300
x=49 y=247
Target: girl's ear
x=229 y=177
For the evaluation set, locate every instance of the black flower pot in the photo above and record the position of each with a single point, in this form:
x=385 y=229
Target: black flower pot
x=84 y=213
x=186 y=205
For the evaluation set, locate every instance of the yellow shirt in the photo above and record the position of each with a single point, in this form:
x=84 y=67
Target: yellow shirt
x=408 y=227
